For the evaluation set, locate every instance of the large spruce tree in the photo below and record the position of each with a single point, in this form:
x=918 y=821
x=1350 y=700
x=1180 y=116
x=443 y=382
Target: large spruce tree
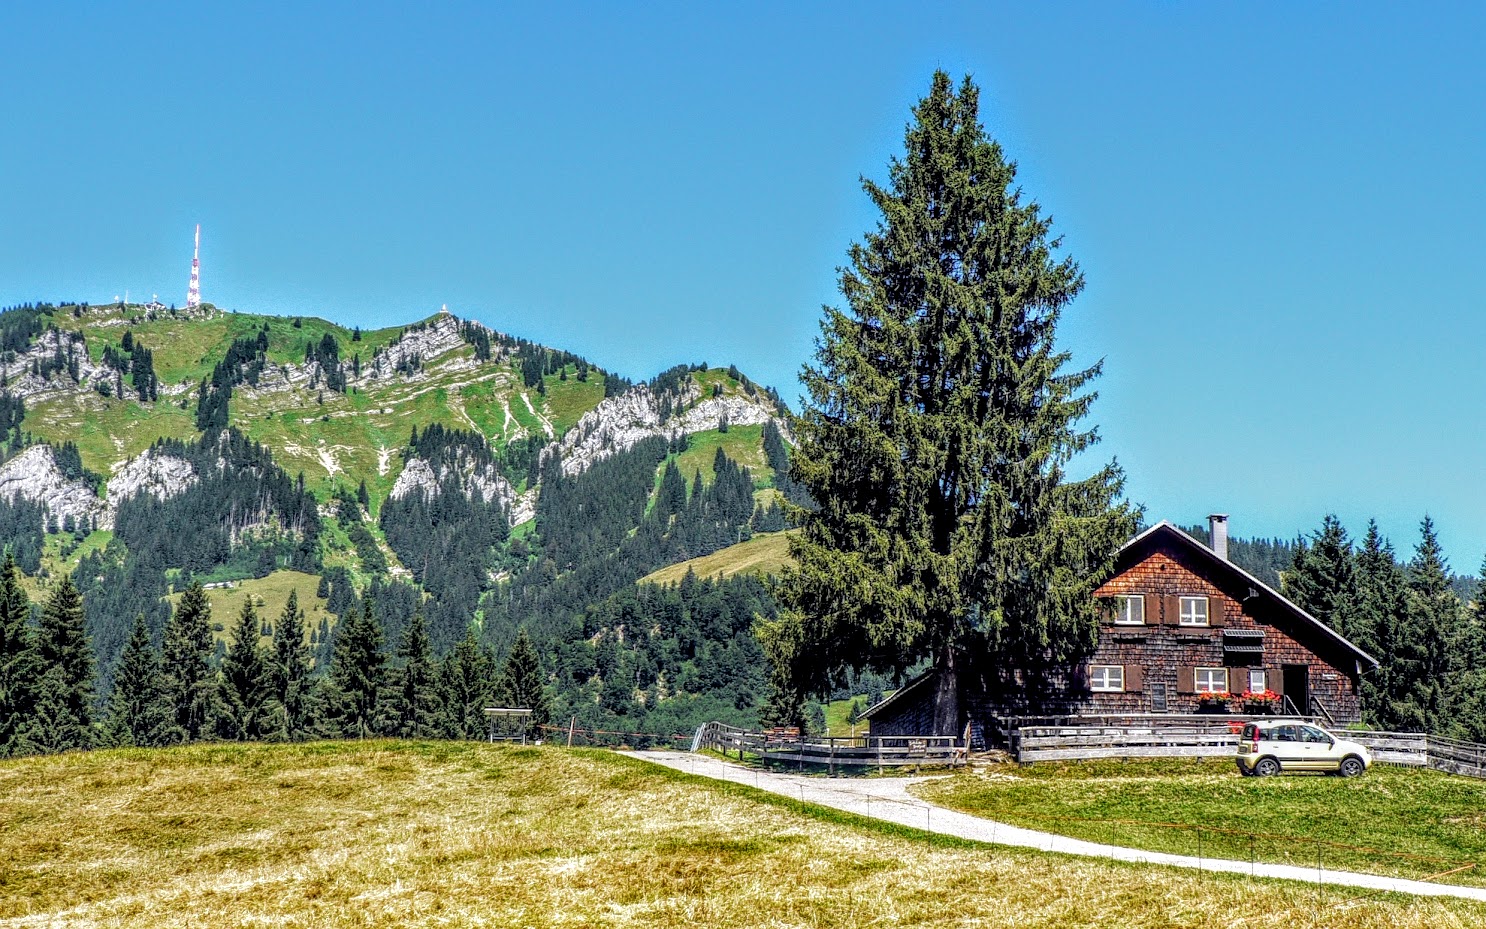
x=139 y=712
x=245 y=686
x=190 y=681
x=289 y=673
x=522 y=684
x=1431 y=618
x=466 y=680
x=1322 y=577
x=1378 y=626
x=62 y=645
x=19 y=665
x=414 y=711
x=356 y=673
x=940 y=417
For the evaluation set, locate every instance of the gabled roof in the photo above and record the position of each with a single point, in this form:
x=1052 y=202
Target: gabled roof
x=1264 y=589
x=897 y=695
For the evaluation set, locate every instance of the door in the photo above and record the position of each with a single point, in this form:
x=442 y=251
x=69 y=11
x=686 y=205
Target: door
x=1298 y=686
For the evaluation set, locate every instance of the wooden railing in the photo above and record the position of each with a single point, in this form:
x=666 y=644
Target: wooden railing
x=787 y=747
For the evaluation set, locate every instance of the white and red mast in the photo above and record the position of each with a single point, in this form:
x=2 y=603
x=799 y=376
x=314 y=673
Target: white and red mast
x=193 y=295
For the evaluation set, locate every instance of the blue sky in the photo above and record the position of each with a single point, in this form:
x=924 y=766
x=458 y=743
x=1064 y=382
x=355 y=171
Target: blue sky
x=1278 y=208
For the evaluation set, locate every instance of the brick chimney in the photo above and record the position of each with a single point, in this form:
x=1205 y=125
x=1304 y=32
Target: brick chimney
x=1217 y=534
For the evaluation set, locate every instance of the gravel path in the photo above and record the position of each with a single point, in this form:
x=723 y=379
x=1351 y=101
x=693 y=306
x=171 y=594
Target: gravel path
x=888 y=799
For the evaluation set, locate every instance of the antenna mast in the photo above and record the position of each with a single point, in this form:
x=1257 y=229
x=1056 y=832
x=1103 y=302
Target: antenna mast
x=193 y=295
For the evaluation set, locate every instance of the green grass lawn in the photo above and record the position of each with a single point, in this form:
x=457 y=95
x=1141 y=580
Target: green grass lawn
x=1405 y=822
x=384 y=833
x=743 y=444
x=269 y=594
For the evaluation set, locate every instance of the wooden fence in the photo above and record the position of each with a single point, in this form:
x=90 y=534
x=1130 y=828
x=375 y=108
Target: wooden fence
x=1219 y=738
x=781 y=747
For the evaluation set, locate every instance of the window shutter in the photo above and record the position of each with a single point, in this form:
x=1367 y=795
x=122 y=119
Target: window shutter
x=1215 y=611
x=1173 y=609
x=1275 y=680
x=1238 y=680
x=1134 y=679
x=1080 y=677
x=1151 y=609
x=1186 y=680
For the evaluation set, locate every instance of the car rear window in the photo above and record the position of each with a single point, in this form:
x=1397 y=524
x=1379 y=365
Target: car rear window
x=1252 y=733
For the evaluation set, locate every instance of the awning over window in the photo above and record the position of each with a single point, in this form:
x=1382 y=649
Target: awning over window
x=1243 y=641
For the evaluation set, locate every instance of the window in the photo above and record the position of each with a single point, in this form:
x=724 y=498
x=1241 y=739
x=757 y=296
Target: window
x=1194 y=611
x=1312 y=734
x=1257 y=681
x=1210 y=680
x=1107 y=678
x=1287 y=734
x=1130 y=610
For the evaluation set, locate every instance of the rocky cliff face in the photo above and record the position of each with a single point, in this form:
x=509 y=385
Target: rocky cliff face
x=71 y=350
x=619 y=423
x=159 y=475
x=483 y=481
x=34 y=476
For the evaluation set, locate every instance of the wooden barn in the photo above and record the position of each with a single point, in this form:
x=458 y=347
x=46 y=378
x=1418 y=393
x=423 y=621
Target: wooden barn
x=1186 y=631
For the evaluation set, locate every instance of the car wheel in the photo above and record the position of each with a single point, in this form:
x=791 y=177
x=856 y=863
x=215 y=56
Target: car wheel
x=1352 y=766
x=1267 y=767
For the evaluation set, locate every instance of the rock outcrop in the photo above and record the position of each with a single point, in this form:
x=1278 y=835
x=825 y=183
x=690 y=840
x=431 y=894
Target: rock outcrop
x=34 y=476
x=484 y=481
x=619 y=423
x=159 y=475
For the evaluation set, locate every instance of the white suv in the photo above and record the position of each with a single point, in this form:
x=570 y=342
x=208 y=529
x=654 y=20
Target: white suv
x=1270 y=746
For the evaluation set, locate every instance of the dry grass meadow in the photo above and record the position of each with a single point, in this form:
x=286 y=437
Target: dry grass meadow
x=441 y=834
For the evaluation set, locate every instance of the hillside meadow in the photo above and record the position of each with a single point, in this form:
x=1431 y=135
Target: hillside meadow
x=468 y=834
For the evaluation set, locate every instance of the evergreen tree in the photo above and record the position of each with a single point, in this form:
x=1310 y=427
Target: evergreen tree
x=188 y=649
x=939 y=420
x=466 y=679
x=356 y=670
x=1322 y=577
x=62 y=716
x=19 y=664
x=415 y=699
x=1379 y=626
x=246 y=682
x=289 y=672
x=1431 y=619
x=138 y=712
x=521 y=683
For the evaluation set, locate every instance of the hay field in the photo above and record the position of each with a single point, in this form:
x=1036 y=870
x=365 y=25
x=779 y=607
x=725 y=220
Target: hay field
x=447 y=834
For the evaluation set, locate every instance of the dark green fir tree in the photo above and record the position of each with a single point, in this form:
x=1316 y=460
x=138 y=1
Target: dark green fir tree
x=138 y=712
x=523 y=685
x=188 y=651
x=357 y=674
x=414 y=705
x=1322 y=579
x=1379 y=627
x=940 y=417
x=1431 y=618
x=289 y=674
x=64 y=707
x=466 y=678
x=246 y=684
x=19 y=664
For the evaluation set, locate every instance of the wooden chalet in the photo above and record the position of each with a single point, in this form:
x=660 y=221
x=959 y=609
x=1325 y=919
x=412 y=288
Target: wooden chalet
x=1186 y=631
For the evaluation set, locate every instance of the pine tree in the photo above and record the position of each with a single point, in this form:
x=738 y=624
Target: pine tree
x=190 y=681
x=246 y=682
x=1466 y=712
x=939 y=419
x=356 y=670
x=289 y=673
x=1379 y=617
x=1322 y=577
x=521 y=683
x=19 y=663
x=62 y=648
x=138 y=712
x=466 y=680
x=1431 y=619
x=415 y=699
x=53 y=726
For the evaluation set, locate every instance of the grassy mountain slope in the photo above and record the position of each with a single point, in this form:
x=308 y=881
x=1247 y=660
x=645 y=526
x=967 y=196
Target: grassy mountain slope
x=764 y=554
x=424 y=834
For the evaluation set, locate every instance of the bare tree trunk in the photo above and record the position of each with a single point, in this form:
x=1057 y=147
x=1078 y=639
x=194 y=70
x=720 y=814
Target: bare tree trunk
x=946 y=693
